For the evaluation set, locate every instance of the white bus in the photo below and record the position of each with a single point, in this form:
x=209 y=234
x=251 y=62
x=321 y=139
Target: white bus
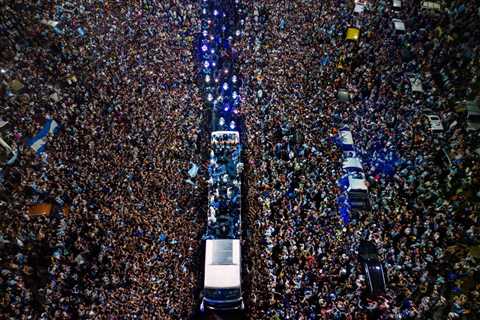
x=222 y=281
x=222 y=277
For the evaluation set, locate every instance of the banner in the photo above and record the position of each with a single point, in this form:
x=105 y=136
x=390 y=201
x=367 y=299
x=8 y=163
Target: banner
x=43 y=209
x=38 y=142
x=353 y=34
x=193 y=170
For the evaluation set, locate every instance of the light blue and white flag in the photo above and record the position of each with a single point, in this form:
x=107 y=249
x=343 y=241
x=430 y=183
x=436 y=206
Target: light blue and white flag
x=39 y=141
x=193 y=170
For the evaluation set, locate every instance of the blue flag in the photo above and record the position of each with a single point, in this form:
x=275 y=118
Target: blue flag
x=39 y=141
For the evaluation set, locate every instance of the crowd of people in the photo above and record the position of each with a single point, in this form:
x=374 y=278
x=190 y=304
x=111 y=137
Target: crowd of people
x=224 y=201
x=117 y=78
x=424 y=187
x=124 y=237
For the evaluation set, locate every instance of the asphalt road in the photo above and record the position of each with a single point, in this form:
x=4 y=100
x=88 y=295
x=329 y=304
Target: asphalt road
x=211 y=315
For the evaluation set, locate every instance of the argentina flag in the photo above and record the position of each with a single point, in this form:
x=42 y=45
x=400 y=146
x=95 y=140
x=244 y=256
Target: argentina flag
x=193 y=170
x=39 y=141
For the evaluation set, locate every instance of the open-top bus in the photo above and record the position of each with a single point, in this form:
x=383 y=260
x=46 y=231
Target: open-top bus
x=222 y=276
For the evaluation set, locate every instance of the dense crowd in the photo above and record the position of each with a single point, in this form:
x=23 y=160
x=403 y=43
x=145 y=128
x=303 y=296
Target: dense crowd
x=225 y=194
x=303 y=258
x=117 y=78
x=123 y=240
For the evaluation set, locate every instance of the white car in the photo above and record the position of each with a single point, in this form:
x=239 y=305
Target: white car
x=435 y=123
x=399 y=25
x=397 y=5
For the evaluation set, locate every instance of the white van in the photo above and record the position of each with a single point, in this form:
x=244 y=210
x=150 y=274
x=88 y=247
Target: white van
x=398 y=25
x=397 y=5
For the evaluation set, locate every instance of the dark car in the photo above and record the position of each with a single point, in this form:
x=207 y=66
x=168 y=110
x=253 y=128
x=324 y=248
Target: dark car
x=373 y=268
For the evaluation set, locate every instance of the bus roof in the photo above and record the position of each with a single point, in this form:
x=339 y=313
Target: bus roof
x=222 y=263
x=346 y=137
x=357 y=183
x=352 y=163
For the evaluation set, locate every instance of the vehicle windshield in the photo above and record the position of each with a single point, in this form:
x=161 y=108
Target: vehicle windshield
x=369 y=255
x=357 y=175
x=355 y=172
x=357 y=194
x=223 y=294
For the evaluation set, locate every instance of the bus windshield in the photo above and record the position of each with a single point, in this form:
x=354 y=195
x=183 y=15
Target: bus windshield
x=222 y=294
